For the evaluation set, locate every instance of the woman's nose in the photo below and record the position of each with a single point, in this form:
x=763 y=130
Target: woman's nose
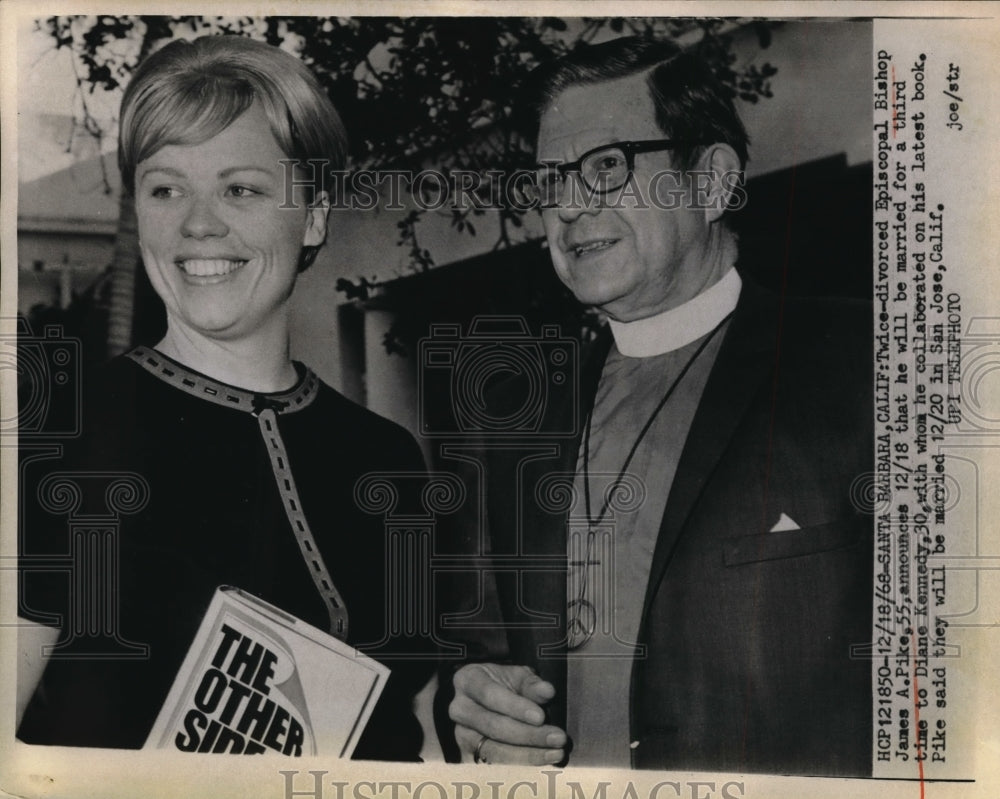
x=202 y=220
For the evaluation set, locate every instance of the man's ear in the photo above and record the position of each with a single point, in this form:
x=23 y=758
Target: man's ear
x=724 y=181
x=316 y=219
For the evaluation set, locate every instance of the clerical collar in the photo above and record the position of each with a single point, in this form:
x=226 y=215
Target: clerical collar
x=677 y=327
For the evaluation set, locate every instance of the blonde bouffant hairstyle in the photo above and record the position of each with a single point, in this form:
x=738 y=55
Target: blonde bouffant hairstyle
x=189 y=91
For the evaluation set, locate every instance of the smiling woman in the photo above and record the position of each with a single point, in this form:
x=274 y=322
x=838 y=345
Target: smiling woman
x=210 y=134
x=243 y=463
x=219 y=248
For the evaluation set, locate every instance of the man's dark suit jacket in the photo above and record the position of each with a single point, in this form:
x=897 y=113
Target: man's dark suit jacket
x=752 y=641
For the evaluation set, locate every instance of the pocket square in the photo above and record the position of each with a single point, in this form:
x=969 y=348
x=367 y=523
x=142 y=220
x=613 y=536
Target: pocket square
x=784 y=523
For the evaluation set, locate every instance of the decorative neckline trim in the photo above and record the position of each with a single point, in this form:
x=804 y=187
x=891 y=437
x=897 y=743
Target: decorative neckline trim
x=670 y=330
x=198 y=385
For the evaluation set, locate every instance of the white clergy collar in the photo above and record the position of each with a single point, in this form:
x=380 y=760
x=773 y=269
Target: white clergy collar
x=670 y=330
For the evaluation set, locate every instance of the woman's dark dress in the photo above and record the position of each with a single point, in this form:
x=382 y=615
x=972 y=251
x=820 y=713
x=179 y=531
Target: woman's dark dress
x=213 y=516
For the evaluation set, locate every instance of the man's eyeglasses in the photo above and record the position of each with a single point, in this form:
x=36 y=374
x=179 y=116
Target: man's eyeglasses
x=603 y=169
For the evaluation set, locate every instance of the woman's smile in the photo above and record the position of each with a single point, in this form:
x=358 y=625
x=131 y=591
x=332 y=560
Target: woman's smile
x=209 y=267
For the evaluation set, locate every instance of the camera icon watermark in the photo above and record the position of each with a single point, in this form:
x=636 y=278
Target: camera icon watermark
x=48 y=383
x=976 y=357
x=459 y=374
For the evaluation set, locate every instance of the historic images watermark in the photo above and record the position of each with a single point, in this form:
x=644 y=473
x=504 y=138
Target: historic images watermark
x=547 y=785
x=496 y=190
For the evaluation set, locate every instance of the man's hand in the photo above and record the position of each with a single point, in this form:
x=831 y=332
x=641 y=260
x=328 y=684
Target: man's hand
x=504 y=703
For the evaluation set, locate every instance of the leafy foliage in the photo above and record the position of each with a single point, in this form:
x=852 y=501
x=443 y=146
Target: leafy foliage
x=413 y=91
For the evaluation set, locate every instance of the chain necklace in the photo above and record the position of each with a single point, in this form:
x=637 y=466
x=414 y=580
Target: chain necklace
x=582 y=615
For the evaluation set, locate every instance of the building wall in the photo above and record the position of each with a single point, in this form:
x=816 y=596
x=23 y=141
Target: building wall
x=822 y=98
x=51 y=267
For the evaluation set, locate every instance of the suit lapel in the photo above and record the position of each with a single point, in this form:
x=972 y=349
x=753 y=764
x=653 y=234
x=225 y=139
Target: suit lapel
x=546 y=532
x=745 y=359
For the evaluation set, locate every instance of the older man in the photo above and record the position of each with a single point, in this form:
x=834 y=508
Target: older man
x=715 y=595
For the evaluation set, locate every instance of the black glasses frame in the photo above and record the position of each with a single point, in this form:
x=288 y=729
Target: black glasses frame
x=629 y=148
